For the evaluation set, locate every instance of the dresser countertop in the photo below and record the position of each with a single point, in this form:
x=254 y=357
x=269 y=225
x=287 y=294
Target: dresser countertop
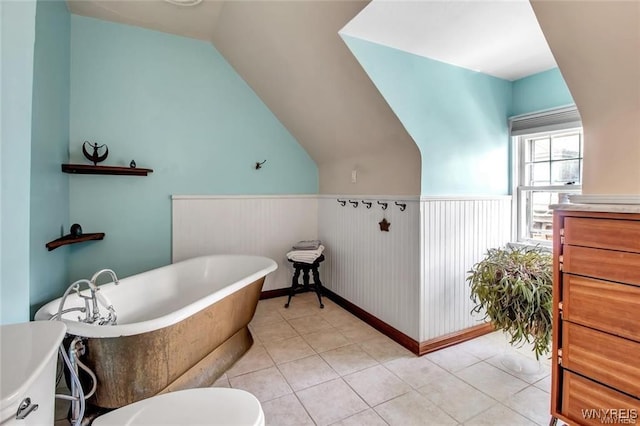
x=605 y=208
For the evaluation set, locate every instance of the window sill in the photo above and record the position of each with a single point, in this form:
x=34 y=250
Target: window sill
x=543 y=245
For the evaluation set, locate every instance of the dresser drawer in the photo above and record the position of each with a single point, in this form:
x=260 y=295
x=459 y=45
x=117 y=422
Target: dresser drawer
x=589 y=403
x=623 y=235
x=603 y=357
x=603 y=305
x=606 y=264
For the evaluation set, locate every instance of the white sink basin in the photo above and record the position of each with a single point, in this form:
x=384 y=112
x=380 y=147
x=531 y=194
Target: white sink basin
x=28 y=368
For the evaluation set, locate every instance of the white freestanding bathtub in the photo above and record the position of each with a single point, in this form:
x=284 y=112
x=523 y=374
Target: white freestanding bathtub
x=178 y=327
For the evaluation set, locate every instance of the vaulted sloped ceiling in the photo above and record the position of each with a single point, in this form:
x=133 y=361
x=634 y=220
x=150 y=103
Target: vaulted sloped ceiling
x=597 y=46
x=194 y=22
x=290 y=53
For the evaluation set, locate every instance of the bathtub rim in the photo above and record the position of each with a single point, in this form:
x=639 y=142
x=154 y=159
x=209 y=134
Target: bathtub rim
x=112 y=331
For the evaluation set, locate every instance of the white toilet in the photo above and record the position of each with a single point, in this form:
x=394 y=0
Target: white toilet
x=203 y=406
x=28 y=368
x=28 y=354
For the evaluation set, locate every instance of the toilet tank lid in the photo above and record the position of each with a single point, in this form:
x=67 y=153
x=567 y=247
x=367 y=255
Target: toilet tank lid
x=25 y=350
x=210 y=406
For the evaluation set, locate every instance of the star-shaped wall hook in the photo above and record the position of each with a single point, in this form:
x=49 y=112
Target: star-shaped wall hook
x=384 y=225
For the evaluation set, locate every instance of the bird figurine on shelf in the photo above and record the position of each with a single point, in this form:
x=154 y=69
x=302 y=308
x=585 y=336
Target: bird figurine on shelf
x=76 y=230
x=95 y=157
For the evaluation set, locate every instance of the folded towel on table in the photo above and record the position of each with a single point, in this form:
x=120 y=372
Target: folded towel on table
x=307 y=245
x=305 y=256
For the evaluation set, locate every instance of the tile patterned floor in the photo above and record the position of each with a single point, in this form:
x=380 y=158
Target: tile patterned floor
x=312 y=366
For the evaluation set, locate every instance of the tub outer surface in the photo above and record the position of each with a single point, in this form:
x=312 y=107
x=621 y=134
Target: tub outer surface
x=179 y=326
x=132 y=368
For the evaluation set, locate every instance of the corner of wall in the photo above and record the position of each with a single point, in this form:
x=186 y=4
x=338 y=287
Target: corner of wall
x=49 y=214
x=540 y=91
x=17 y=40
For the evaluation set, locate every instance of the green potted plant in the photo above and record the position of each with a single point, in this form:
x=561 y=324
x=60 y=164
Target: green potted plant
x=512 y=287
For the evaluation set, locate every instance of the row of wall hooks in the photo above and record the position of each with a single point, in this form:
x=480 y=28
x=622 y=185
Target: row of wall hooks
x=368 y=204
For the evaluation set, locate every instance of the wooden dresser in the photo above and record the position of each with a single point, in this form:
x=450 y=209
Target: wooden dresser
x=596 y=315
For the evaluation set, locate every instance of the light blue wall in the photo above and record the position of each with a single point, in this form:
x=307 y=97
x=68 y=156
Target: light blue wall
x=17 y=28
x=457 y=117
x=174 y=105
x=540 y=91
x=49 y=148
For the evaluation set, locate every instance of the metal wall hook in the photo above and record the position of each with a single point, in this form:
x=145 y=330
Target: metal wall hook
x=342 y=202
x=384 y=205
x=367 y=203
x=402 y=206
x=354 y=203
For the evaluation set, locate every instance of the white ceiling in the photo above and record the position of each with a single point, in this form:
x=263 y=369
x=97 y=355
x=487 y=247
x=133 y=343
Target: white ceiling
x=499 y=38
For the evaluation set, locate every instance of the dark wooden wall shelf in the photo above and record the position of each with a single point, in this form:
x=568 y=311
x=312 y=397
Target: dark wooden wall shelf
x=87 y=169
x=71 y=239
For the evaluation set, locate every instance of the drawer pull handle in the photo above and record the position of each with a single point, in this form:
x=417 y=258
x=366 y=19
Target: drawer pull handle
x=25 y=409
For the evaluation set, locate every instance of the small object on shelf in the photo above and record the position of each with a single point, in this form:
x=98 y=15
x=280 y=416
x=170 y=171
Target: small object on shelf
x=95 y=157
x=76 y=230
x=132 y=164
x=72 y=239
x=86 y=169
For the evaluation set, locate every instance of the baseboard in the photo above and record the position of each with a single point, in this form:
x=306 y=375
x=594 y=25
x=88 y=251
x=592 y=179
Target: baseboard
x=454 y=338
x=278 y=292
x=418 y=348
x=374 y=322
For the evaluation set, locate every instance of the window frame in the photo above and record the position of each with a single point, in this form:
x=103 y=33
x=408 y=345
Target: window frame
x=519 y=188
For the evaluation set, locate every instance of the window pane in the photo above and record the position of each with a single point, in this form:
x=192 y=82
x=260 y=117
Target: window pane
x=565 y=171
x=566 y=146
x=538 y=174
x=548 y=159
x=539 y=223
x=540 y=149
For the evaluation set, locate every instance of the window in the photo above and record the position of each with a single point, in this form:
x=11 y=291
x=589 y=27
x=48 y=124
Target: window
x=547 y=162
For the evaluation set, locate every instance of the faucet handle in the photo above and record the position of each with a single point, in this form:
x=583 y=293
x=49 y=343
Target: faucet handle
x=104 y=301
x=85 y=297
x=111 y=319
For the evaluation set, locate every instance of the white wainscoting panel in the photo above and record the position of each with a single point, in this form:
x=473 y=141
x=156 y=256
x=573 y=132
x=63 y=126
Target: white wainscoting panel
x=258 y=225
x=455 y=234
x=412 y=277
x=377 y=271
